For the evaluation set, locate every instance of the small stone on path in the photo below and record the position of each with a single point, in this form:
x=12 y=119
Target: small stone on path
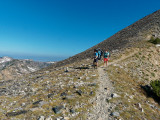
x=116 y=114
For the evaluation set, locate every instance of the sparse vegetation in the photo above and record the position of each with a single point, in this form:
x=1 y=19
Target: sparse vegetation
x=50 y=88
x=156 y=87
x=155 y=40
x=128 y=75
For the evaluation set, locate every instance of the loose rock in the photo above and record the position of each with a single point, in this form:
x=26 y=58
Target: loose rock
x=79 y=92
x=10 y=114
x=116 y=114
x=114 y=95
x=49 y=118
x=57 y=109
x=41 y=118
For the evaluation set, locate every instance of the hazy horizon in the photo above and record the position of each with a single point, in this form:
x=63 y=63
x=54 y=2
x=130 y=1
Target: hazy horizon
x=53 y=30
x=36 y=57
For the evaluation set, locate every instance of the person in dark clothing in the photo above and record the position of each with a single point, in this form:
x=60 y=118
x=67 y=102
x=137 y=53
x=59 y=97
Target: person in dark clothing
x=95 y=59
x=100 y=53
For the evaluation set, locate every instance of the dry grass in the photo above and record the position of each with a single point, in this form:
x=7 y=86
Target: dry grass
x=55 y=81
x=127 y=77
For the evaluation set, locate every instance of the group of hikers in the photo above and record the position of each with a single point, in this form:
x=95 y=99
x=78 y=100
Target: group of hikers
x=98 y=53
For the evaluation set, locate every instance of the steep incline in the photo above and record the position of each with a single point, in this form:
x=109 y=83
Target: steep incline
x=140 y=30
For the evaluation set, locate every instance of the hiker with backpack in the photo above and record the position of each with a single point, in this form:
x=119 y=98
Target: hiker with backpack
x=106 y=57
x=95 y=60
x=99 y=53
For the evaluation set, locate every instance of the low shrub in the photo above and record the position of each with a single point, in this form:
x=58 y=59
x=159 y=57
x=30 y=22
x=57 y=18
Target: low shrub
x=156 y=87
x=155 y=40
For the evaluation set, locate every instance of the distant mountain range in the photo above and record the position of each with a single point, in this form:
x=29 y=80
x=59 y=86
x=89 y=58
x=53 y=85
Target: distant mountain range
x=12 y=68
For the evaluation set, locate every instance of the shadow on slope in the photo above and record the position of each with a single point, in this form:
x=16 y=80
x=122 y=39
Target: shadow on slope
x=82 y=68
x=149 y=93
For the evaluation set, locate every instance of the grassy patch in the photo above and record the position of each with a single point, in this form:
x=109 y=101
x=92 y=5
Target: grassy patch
x=154 y=40
x=156 y=87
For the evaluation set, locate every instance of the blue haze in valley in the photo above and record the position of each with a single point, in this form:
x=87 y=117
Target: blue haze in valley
x=53 y=30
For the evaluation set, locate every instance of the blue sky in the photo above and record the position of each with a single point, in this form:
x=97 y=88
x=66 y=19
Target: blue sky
x=57 y=29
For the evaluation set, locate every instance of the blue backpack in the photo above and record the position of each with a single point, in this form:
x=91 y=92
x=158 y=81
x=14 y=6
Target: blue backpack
x=95 y=55
x=99 y=54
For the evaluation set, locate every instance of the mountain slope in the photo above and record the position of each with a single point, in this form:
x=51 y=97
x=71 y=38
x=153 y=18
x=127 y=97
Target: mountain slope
x=83 y=93
x=143 y=29
x=131 y=77
x=12 y=68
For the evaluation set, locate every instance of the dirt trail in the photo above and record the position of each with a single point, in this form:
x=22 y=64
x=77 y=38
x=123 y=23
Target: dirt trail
x=100 y=110
x=123 y=57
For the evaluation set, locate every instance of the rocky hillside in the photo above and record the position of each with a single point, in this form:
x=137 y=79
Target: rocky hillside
x=143 y=29
x=13 y=68
x=52 y=93
x=73 y=90
x=131 y=77
x=78 y=92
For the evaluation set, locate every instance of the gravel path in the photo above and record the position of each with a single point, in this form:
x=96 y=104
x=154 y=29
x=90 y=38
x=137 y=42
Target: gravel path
x=100 y=110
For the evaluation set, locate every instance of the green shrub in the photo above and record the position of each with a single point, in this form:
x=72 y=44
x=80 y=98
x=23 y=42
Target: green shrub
x=155 y=40
x=153 y=74
x=156 y=87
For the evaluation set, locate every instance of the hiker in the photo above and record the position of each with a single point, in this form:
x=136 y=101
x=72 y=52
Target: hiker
x=95 y=60
x=106 y=57
x=99 y=53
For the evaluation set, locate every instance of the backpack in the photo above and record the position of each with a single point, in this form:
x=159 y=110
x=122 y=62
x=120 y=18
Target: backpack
x=106 y=55
x=99 y=54
x=95 y=55
x=109 y=54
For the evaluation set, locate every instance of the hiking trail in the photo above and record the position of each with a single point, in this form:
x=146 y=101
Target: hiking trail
x=100 y=110
x=123 y=57
x=101 y=107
